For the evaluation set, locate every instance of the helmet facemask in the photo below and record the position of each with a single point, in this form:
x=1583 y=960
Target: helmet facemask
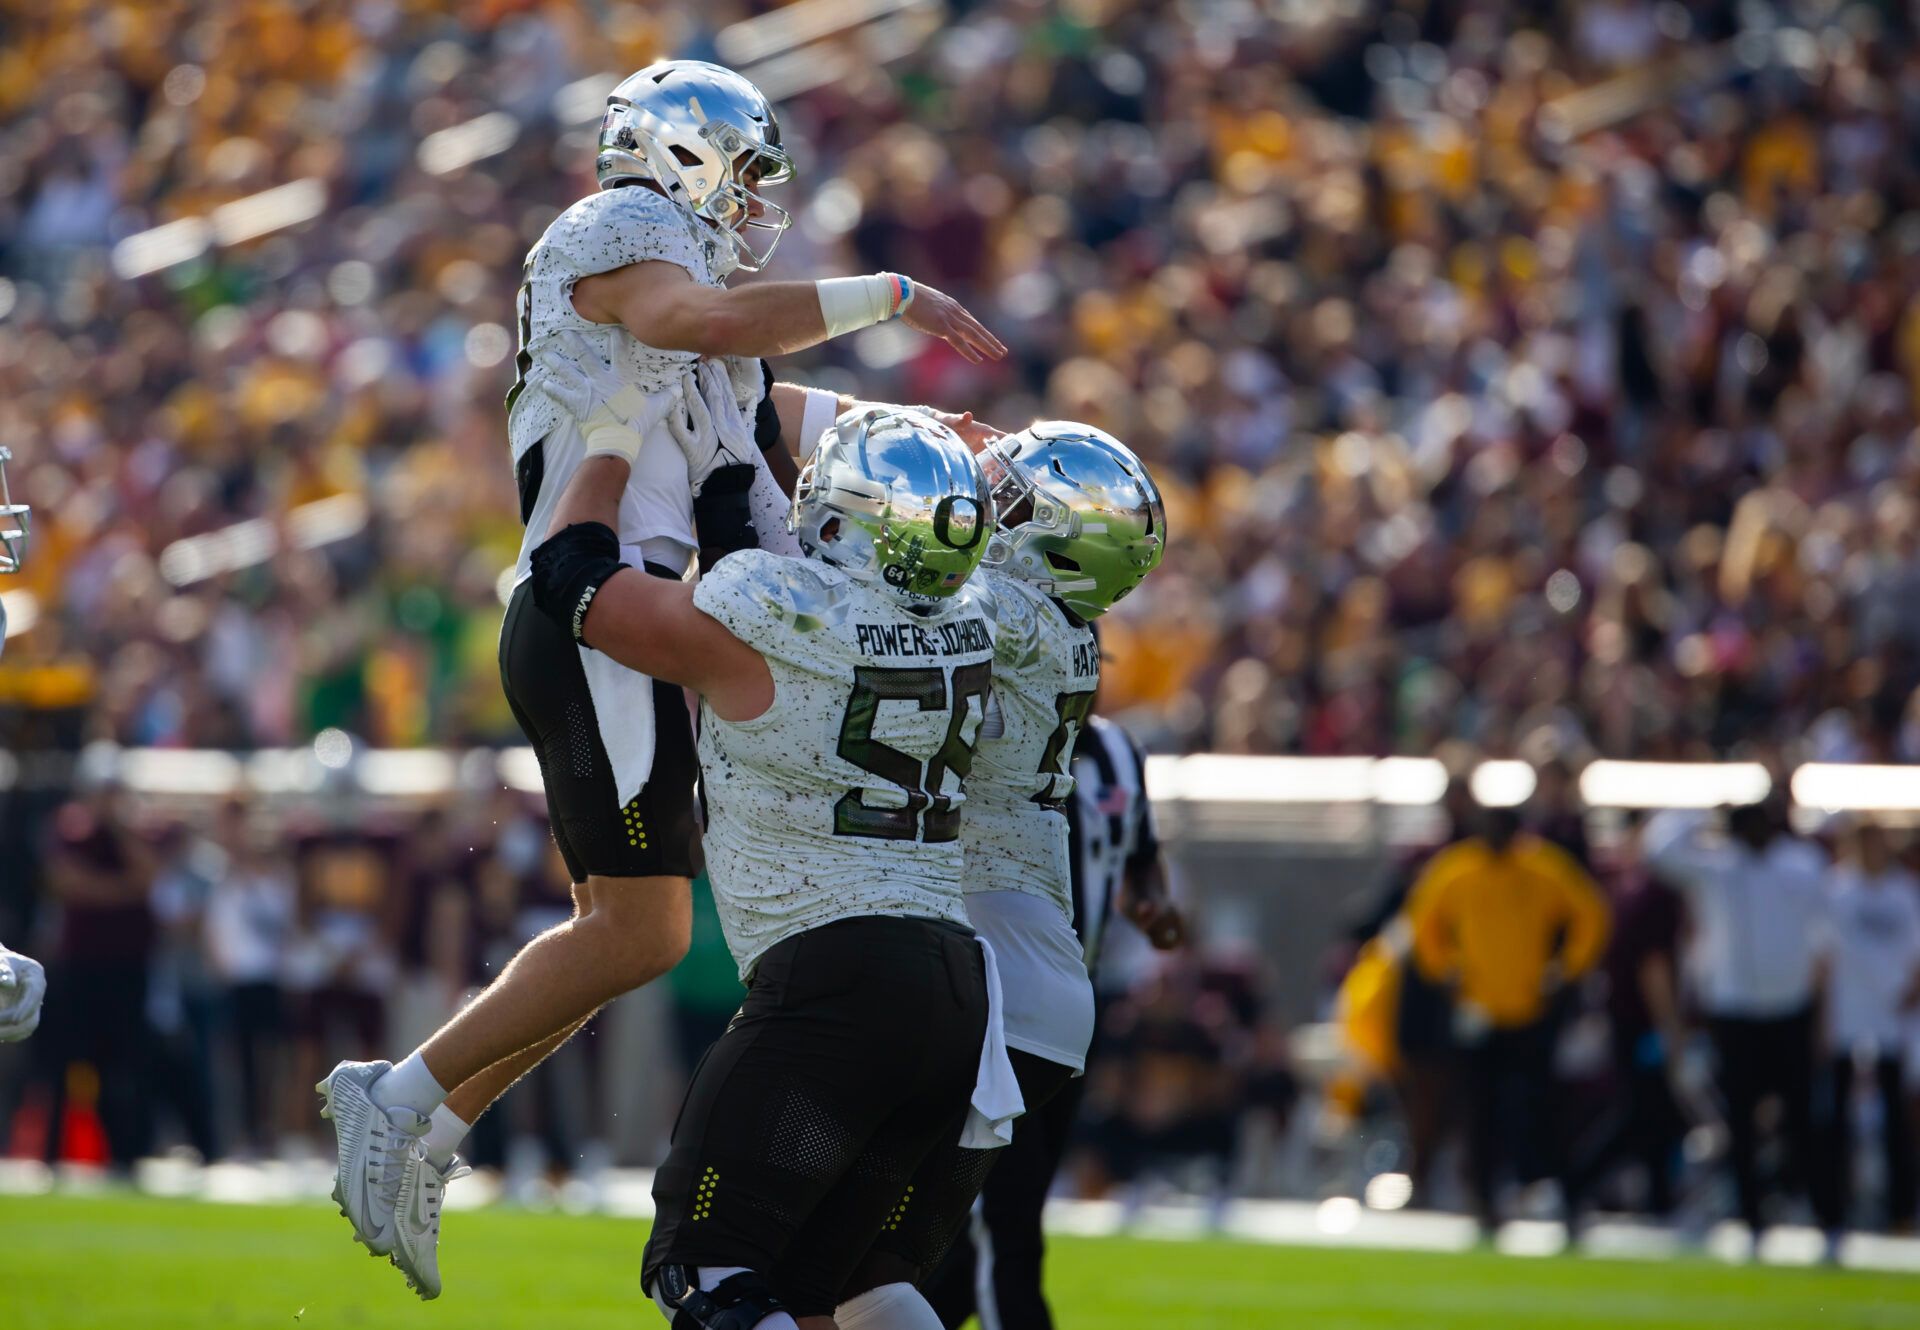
x=1076 y=515
x=13 y=522
x=708 y=139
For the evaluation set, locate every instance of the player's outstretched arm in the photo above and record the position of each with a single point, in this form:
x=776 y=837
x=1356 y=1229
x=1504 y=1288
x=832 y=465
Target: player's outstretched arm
x=662 y=306
x=647 y=623
x=805 y=413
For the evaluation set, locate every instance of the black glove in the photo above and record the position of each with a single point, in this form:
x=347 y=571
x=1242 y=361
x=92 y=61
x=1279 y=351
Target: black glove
x=569 y=568
x=723 y=514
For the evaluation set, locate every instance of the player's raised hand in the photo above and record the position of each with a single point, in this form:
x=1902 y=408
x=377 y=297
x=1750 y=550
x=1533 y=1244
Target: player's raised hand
x=938 y=314
x=976 y=434
x=615 y=416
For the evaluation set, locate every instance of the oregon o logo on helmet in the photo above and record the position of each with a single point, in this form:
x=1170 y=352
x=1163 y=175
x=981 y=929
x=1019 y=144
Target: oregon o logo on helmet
x=957 y=522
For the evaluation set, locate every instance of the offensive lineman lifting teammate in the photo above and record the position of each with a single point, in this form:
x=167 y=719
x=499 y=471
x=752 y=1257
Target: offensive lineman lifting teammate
x=638 y=271
x=1079 y=523
x=843 y=695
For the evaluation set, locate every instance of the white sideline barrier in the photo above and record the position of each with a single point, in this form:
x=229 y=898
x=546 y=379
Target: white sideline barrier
x=334 y=761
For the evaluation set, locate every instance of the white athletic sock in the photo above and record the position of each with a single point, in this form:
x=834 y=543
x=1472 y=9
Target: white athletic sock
x=710 y=1277
x=444 y=1133
x=408 y=1085
x=889 y=1307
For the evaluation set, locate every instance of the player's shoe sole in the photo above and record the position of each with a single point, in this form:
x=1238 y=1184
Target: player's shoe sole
x=365 y=1138
x=416 y=1222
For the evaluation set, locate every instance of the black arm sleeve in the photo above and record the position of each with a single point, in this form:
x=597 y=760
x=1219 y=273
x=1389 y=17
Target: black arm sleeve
x=723 y=514
x=766 y=420
x=569 y=568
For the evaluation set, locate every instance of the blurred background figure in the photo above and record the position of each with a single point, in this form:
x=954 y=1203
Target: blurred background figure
x=252 y=912
x=1758 y=904
x=183 y=998
x=95 y=1055
x=1873 y=987
x=1642 y=1124
x=1507 y=920
x=1413 y=1044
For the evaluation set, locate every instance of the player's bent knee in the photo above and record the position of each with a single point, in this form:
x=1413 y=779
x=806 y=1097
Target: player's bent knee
x=889 y=1307
x=741 y=1301
x=877 y=1269
x=642 y=926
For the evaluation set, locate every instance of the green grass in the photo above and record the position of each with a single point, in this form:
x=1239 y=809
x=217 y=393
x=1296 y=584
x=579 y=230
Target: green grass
x=72 y=1263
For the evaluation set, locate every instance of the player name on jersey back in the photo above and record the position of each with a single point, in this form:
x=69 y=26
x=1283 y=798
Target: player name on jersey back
x=911 y=638
x=844 y=798
x=1045 y=673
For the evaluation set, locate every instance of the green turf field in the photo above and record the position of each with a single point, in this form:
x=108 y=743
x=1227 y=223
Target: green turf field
x=69 y=1263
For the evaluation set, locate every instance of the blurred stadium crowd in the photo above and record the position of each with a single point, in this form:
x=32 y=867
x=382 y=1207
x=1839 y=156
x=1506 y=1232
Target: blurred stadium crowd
x=207 y=969
x=1537 y=377
x=1490 y=407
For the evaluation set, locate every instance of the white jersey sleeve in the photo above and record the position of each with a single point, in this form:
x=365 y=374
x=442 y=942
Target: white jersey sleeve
x=844 y=798
x=604 y=231
x=1045 y=671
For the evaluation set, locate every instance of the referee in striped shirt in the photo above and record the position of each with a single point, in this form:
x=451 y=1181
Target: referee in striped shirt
x=994 y=1270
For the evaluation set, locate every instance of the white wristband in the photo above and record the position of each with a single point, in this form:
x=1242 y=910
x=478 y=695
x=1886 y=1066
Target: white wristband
x=848 y=304
x=816 y=418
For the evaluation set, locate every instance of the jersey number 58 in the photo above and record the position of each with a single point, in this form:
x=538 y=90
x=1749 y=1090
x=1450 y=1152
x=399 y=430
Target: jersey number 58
x=922 y=782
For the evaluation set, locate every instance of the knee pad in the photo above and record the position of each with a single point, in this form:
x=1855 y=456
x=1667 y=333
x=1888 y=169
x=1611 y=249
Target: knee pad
x=889 y=1307
x=738 y=1302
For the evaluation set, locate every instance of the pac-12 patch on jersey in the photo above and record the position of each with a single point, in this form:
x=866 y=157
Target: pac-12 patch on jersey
x=844 y=798
x=1045 y=671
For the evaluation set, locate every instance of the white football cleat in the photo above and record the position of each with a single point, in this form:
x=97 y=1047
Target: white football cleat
x=416 y=1216
x=373 y=1144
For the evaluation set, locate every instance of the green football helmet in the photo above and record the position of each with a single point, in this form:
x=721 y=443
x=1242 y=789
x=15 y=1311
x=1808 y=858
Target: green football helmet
x=893 y=498
x=1077 y=514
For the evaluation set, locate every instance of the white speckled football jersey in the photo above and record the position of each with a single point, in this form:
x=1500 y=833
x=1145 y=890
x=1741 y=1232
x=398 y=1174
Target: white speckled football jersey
x=1045 y=671
x=600 y=233
x=844 y=798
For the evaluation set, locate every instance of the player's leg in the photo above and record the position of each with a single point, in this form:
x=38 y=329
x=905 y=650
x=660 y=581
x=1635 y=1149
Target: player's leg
x=934 y=1208
x=626 y=933
x=1007 y=1222
x=854 y=1053
x=633 y=917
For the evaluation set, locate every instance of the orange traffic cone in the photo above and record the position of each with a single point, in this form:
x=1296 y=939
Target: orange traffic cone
x=82 y=1139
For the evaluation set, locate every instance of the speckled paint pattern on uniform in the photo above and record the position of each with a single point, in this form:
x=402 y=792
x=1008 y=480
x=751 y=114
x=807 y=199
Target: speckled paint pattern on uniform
x=1045 y=671
x=843 y=799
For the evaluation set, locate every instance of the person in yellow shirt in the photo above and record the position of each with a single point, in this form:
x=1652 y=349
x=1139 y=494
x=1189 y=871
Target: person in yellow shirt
x=1506 y=919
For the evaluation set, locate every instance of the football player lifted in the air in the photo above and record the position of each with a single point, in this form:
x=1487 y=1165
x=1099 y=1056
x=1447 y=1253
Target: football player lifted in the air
x=637 y=272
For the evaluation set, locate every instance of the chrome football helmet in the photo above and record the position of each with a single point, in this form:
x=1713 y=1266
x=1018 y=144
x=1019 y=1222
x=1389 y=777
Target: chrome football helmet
x=1075 y=512
x=894 y=499
x=13 y=522
x=697 y=131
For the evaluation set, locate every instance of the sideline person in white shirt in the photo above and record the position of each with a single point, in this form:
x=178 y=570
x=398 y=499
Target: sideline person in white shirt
x=1872 y=991
x=1757 y=898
